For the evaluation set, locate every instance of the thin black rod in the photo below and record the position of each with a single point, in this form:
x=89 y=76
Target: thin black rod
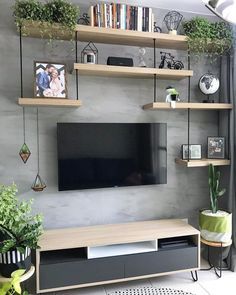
x=38 y=137
x=76 y=60
x=24 y=123
x=189 y=99
x=155 y=77
x=21 y=65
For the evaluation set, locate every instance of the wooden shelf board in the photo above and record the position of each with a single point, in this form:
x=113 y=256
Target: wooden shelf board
x=133 y=72
x=186 y=105
x=41 y=102
x=203 y=162
x=131 y=38
x=104 y=35
x=110 y=234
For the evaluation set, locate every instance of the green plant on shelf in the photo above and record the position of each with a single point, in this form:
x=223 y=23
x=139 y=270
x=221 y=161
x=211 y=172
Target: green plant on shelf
x=211 y=38
x=52 y=13
x=19 y=228
x=215 y=191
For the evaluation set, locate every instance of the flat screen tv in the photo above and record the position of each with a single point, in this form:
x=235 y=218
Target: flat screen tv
x=99 y=155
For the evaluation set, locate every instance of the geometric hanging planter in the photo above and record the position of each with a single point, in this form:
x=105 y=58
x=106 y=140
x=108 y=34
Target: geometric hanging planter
x=24 y=152
x=38 y=185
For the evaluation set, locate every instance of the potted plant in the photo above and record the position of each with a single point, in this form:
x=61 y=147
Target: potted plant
x=205 y=37
x=20 y=231
x=215 y=225
x=13 y=286
x=50 y=19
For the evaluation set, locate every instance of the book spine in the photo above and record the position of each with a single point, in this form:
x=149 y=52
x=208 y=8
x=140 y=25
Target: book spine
x=110 y=16
x=122 y=16
x=139 y=19
x=114 y=16
x=98 y=15
x=91 y=16
x=127 y=17
x=143 y=19
x=146 y=19
x=150 y=20
x=136 y=19
x=118 y=16
x=153 y=20
x=132 y=18
x=104 y=10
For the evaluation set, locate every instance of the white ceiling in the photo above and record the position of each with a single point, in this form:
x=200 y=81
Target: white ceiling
x=194 y=6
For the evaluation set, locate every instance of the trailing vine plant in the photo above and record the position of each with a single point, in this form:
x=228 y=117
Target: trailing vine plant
x=207 y=38
x=51 y=15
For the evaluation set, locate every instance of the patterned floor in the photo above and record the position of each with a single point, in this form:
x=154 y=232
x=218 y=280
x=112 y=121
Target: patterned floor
x=149 y=291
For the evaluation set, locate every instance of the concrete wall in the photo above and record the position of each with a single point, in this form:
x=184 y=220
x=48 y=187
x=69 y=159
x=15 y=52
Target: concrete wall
x=104 y=100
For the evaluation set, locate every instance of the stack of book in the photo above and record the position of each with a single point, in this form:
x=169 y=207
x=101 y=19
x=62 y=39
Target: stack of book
x=122 y=16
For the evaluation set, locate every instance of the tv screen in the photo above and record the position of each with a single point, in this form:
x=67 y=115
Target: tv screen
x=99 y=155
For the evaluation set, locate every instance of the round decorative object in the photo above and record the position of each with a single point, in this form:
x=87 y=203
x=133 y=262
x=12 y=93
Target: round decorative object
x=209 y=83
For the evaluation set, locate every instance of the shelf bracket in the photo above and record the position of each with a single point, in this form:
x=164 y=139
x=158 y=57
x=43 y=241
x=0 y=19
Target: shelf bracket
x=155 y=76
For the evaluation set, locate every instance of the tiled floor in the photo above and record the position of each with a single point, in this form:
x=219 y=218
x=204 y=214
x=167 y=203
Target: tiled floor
x=208 y=284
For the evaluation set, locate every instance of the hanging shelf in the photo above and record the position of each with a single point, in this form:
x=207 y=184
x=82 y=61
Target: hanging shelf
x=187 y=105
x=202 y=162
x=47 y=102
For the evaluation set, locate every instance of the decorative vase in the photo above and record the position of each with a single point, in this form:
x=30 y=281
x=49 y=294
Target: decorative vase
x=215 y=227
x=13 y=260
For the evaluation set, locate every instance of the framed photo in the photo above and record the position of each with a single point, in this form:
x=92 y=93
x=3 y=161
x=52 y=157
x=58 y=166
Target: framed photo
x=195 y=151
x=216 y=147
x=50 y=80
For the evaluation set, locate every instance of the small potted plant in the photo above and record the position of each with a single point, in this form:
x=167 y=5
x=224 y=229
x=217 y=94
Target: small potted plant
x=215 y=225
x=20 y=231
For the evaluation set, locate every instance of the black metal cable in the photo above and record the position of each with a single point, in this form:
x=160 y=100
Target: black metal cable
x=38 y=137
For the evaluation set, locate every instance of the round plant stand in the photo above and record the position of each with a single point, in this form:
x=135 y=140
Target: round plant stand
x=220 y=245
x=23 y=278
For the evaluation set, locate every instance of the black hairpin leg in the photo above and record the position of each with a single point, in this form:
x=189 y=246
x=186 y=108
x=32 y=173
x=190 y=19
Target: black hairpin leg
x=194 y=275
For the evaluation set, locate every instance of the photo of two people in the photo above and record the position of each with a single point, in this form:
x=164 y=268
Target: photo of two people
x=50 y=80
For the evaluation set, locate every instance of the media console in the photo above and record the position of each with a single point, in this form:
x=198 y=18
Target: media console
x=87 y=256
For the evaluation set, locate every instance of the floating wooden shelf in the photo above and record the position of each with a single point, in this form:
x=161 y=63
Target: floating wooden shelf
x=104 y=35
x=186 y=105
x=131 y=38
x=203 y=162
x=135 y=72
x=41 y=102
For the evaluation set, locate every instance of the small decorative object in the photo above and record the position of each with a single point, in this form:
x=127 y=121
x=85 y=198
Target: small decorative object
x=84 y=20
x=172 y=21
x=50 y=80
x=89 y=55
x=156 y=28
x=208 y=84
x=38 y=185
x=215 y=225
x=172 y=96
x=168 y=59
x=24 y=152
x=142 y=52
x=216 y=147
x=194 y=150
x=19 y=229
x=120 y=61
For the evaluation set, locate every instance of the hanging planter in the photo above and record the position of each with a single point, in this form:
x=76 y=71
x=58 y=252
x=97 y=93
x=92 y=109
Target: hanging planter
x=215 y=225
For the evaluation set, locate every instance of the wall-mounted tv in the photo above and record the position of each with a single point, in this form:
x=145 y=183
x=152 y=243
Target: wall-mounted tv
x=99 y=155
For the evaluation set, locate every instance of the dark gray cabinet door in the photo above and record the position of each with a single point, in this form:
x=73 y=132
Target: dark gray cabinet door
x=161 y=261
x=80 y=272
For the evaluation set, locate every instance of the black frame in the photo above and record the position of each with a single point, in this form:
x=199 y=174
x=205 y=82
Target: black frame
x=216 y=155
x=188 y=148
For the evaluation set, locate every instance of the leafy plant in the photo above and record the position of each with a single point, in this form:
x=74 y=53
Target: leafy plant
x=215 y=191
x=19 y=228
x=204 y=37
x=54 y=11
x=13 y=286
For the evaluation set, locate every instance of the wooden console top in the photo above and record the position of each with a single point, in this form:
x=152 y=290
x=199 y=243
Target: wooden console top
x=99 y=235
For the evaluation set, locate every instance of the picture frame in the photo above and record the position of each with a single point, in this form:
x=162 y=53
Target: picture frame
x=50 y=80
x=195 y=151
x=216 y=147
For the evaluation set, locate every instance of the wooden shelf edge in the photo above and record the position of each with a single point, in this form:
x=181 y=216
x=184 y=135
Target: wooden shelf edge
x=44 y=102
x=202 y=162
x=119 y=71
x=186 y=105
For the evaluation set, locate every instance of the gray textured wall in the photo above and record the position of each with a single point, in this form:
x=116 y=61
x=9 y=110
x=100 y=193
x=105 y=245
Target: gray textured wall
x=104 y=100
